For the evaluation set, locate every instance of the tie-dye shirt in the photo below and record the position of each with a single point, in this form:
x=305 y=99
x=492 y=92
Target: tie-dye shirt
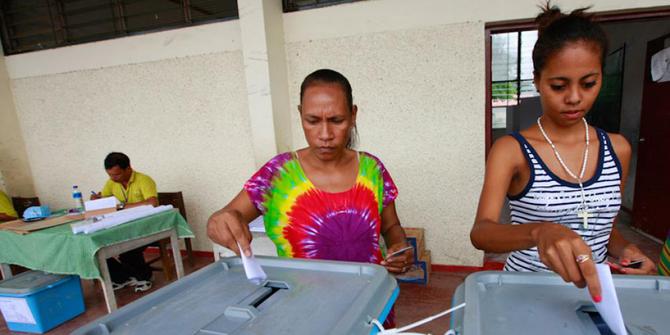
x=305 y=222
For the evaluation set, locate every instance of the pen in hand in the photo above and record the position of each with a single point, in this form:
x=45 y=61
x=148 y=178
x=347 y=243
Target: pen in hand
x=398 y=252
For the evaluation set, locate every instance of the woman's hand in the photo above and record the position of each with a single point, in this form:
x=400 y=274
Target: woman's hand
x=399 y=263
x=227 y=228
x=631 y=253
x=564 y=251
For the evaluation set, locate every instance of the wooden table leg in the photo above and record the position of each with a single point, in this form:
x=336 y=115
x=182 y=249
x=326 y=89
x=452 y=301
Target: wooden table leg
x=106 y=283
x=6 y=271
x=174 y=241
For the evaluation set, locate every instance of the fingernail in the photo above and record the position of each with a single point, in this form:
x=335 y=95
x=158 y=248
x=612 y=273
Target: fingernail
x=597 y=298
x=247 y=253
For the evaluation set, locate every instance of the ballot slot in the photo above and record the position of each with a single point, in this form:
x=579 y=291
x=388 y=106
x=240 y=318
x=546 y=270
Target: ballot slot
x=589 y=314
x=272 y=288
x=237 y=316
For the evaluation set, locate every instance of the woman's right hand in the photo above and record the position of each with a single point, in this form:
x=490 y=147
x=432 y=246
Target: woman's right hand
x=559 y=248
x=227 y=228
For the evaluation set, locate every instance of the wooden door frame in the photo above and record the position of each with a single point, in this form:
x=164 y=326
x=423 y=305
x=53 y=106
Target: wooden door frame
x=529 y=24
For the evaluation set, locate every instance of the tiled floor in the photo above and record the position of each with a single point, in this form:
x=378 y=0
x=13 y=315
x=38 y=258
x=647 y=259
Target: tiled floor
x=415 y=302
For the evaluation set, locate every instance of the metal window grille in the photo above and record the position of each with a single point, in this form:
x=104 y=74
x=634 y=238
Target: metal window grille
x=29 y=25
x=296 y=5
x=512 y=67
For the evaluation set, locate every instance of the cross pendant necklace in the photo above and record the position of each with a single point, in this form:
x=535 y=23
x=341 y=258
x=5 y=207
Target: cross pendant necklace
x=582 y=209
x=585 y=215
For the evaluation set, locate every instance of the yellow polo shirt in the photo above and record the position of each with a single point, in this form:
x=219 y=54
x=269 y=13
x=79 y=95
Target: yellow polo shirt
x=140 y=188
x=6 y=206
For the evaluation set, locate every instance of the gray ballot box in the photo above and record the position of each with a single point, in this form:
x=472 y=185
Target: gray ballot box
x=299 y=297
x=500 y=302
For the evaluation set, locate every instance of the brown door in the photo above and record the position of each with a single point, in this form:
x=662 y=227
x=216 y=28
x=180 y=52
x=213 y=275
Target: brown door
x=652 y=179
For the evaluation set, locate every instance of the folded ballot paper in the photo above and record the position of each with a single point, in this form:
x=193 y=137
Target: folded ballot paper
x=609 y=306
x=109 y=220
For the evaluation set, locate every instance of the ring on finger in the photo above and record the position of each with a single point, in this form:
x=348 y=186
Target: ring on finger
x=582 y=258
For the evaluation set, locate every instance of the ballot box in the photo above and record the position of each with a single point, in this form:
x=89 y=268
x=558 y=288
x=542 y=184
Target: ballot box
x=500 y=302
x=298 y=297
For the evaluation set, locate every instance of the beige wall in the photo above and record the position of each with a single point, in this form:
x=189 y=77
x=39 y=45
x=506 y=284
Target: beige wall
x=416 y=91
x=3 y=186
x=417 y=69
x=15 y=176
x=186 y=128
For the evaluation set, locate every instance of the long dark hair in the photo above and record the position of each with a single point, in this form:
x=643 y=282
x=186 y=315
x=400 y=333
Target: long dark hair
x=328 y=76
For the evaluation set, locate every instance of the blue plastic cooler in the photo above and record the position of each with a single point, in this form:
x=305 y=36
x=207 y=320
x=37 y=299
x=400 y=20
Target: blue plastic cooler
x=36 y=302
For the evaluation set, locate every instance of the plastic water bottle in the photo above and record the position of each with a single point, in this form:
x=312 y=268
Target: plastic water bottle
x=78 y=200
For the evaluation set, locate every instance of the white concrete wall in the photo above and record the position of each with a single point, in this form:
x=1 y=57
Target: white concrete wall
x=417 y=95
x=17 y=179
x=175 y=101
x=182 y=120
x=3 y=186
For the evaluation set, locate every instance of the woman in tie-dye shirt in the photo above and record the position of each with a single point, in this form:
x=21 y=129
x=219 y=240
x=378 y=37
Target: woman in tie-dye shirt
x=325 y=201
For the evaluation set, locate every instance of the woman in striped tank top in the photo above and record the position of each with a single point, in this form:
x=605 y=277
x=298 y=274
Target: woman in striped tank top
x=563 y=178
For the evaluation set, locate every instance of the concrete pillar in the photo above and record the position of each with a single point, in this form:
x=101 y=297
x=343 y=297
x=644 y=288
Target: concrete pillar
x=14 y=165
x=262 y=30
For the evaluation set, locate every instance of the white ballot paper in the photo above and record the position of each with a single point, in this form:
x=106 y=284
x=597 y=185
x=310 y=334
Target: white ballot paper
x=98 y=204
x=609 y=307
x=254 y=272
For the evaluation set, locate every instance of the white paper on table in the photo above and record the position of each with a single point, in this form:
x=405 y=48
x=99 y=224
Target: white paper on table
x=254 y=271
x=16 y=310
x=102 y=203
x=110 y=220
x=608 y=307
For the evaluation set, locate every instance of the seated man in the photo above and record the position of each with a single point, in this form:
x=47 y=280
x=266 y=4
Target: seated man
x=7 y=212
x=132 y=189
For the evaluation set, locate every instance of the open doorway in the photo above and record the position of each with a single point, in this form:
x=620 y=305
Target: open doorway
x=513 y=103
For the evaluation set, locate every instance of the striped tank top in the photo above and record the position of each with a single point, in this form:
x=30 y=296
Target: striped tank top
x=549 y=198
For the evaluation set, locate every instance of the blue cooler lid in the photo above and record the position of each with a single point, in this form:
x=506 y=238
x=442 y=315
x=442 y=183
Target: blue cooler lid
x=28 y=282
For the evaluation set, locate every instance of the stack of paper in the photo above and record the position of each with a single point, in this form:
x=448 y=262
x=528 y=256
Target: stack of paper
x=113 y=219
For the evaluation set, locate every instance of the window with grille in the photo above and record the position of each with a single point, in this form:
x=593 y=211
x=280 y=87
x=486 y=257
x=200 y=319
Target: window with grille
x=511 y=72
x=29 y=25
x=296 y=5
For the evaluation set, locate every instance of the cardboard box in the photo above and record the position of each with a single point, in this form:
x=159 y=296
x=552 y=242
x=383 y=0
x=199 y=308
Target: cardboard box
x=426 y=257
x=418 y=235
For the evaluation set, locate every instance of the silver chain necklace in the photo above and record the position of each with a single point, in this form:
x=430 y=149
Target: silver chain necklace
x=582 y=209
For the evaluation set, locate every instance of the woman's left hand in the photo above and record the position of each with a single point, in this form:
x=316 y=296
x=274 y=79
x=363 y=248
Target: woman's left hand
x=398 y=263
x=630 y=254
